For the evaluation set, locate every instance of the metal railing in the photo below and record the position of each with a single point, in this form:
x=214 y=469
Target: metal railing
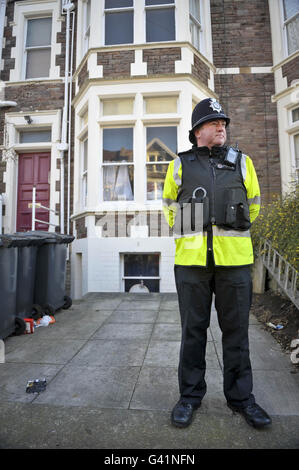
x=34 y=205
x=282 y=271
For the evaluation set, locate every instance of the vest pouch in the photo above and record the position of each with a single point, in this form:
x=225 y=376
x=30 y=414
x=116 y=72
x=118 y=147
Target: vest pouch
x=237 y=216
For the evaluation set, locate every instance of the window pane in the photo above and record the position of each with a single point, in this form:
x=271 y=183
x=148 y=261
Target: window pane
x=293 y=35
x=141 y=265
x=194 y=9
x=295 y=114
x=155 y=176
x=160 y=25
x=158 y=2
x=291 y=7
x=38 y=63
x=163 y=104
x=161 y=147
x=117 y=106
x=84 y=191
x=162 y=140
x=39 y=32
x=118 y=3
x=119 y=28
x=85 y=154
x=35 y=136
x=87 y=18
x=118 y=183
x=118 y=145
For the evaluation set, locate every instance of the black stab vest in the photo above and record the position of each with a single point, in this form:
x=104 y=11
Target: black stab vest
x=224 y=196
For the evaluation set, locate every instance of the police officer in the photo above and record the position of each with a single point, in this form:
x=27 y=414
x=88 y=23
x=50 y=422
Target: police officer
x=214 y=260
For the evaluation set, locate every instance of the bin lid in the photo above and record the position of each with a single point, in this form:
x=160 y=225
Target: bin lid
x=13 y=240
x=50 y=237
x=29 y=238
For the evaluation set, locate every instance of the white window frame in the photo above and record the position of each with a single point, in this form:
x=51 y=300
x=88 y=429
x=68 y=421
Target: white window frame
x=196 y=24
x=30 y=10
x=122 y=202
x=161 y=124
x=284 y=29
x=139 y=278
x=31 y=48
x=160 y=7
x=86 y=26
x=117 y=10
x=83 y=173
x=295 y=158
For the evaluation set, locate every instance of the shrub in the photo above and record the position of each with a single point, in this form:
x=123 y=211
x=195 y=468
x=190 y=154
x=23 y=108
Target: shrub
x=278 y=222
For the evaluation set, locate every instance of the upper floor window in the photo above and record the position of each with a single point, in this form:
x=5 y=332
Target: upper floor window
x=86 y=27
x=119 y=19
x=38 y=47
x=295 y=115
x=160 y=20
x=194 y=22
x=291 y=24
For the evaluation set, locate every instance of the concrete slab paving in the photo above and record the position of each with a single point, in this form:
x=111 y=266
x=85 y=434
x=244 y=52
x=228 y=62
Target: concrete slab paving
x=110 y=362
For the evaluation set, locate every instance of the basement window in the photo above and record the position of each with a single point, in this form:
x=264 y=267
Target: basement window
x=141 y=269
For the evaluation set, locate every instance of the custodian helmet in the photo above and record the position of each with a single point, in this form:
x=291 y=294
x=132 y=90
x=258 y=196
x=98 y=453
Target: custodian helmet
x=206 y=110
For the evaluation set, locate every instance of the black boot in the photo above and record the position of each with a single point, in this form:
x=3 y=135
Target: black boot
x=254 y=415
x=182 y=413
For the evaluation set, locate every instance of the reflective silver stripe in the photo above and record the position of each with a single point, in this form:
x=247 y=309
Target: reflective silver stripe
x=176 y=166
x=220 y=232
x=201 y=234
x=243 y=166
x=254 y=200
x=168 y=202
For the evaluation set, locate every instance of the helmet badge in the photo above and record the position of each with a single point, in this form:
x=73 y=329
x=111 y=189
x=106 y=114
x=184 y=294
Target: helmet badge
x=215 y=105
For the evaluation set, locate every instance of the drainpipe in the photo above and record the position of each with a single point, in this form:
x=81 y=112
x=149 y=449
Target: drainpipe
x=64 y=145
x=69 y=129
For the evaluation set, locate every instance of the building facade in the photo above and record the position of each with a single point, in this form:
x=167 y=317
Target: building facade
x=97 y=97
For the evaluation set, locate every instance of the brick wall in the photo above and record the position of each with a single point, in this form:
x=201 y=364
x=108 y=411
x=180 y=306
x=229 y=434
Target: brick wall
x=241 y=33
x=246 y=99
x=116 y=63
x=161 y=60
x=242 y=38
x=291 y=70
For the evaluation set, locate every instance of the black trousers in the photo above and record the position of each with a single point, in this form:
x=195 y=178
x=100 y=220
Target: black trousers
x=233 y=293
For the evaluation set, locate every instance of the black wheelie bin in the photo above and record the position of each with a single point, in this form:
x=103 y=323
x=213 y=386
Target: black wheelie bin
x=50 y=274
x=9 y=322
x=27 y=257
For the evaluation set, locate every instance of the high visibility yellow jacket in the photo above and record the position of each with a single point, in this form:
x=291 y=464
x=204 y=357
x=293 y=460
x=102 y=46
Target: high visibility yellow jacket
x=230 y=247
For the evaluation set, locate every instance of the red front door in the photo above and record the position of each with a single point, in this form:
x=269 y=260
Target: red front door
x=34 y=170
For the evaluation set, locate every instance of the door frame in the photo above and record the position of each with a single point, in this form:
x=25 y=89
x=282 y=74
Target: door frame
x=17 y=123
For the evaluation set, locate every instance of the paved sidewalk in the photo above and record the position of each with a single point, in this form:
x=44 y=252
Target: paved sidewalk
x=111 y=367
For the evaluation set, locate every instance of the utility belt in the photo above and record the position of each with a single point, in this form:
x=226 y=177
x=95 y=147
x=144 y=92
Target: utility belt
x=231 y=211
